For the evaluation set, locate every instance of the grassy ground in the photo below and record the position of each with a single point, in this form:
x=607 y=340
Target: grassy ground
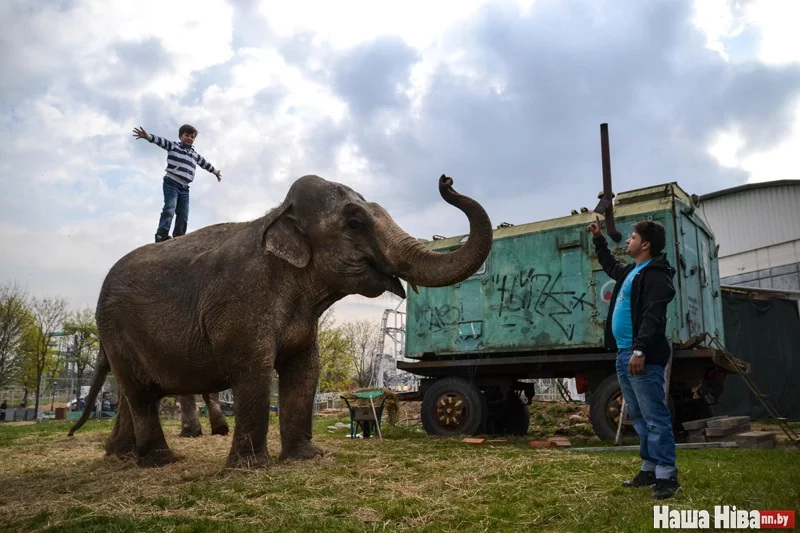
x=407 y=482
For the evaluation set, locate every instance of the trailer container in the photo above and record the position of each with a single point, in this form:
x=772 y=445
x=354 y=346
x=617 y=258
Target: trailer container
x=537 y=308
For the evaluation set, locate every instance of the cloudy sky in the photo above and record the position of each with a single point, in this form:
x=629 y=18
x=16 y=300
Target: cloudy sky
x=505 y=96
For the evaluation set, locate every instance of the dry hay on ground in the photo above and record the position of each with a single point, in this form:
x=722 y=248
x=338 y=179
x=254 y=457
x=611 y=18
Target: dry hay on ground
x=405 y=482
x=58 y=474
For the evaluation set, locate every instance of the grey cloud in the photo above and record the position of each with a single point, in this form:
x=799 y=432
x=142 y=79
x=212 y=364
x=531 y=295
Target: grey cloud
x=250 y=28
x=370 y=74
x=267 y=100
x=138 y=63
x=156 y=117
x=200 y=81
x=641 y=66
x=298 y=48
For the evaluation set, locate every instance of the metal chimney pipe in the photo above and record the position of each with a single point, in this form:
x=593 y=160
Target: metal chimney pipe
x=606 y=205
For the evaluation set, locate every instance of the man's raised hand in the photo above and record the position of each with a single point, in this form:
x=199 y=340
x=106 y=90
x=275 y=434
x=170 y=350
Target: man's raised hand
x=594 y=228
x=139 y=133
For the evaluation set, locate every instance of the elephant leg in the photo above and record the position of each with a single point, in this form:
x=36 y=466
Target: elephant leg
x=249 y=447
x=297 y=385
x=122 y=441
x=190 y=425
x=151 y=445
x=219 y=426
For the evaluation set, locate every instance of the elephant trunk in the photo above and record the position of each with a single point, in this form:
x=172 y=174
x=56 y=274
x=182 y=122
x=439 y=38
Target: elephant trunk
x=418 y=265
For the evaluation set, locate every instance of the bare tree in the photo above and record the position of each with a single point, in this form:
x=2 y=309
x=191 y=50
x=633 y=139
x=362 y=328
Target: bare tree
x=83 y=344
x=327 y=320
x=14 y=314
x=363 y=337
x=48 y=318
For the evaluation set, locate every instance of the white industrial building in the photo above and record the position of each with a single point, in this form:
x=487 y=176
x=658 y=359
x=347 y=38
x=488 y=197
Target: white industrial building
x=757 y=228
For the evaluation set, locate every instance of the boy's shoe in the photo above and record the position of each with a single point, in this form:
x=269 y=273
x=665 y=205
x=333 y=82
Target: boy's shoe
x=642 y=479
x=665 y=488
x=162 y=238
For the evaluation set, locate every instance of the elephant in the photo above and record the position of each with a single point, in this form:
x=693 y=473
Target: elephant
x=190 y=425
x=221 y=307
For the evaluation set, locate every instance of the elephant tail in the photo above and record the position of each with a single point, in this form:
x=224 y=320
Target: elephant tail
x=101 y=370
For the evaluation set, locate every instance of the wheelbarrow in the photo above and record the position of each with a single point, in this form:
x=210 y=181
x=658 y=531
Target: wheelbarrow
x=366 y=417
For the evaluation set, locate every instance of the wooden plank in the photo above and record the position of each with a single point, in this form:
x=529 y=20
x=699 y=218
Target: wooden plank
x=721 y=432
x=730 y=422
x=756 y=435
x=700 y=424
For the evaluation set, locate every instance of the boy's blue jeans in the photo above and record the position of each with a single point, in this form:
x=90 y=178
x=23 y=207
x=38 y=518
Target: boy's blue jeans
x=176 y=203
x=644 y=402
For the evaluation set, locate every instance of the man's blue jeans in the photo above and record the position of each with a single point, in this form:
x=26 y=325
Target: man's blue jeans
x=646 y=405
x=176 y=203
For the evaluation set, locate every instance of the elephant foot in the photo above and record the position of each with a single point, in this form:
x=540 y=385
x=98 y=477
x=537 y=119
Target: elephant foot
x=124 y=448
x=301 y=452
x=249 y=461
x=155 y=458
x=219 y=430
x=191 y=432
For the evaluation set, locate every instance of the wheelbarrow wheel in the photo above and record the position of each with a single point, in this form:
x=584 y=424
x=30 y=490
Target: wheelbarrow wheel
x=452 y=406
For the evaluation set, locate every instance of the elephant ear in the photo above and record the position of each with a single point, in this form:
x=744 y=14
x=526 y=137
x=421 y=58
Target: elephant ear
x=284 y=238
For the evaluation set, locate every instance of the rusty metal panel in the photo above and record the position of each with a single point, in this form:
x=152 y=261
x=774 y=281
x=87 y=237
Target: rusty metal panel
x=543 y=289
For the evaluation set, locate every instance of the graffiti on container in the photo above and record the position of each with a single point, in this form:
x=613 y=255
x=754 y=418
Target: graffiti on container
x=580 y=301
x=528 y=291
x=441 y=317
x=531 y=290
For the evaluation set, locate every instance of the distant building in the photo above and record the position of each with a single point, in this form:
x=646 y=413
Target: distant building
x=757 y=228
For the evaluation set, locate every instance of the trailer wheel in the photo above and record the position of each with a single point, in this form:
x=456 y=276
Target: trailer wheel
x=452 y=406
x=605 y=407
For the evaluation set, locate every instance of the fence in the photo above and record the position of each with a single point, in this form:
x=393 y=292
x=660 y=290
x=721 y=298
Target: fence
x=54 y=393
x=555 y=390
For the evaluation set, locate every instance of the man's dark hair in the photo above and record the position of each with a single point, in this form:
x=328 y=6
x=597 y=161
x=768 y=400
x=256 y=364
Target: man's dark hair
x=654 y=233
x=186 y=128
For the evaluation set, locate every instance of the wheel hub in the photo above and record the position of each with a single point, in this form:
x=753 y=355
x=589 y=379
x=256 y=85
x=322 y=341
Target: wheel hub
x=615 y=409
x=451 y=410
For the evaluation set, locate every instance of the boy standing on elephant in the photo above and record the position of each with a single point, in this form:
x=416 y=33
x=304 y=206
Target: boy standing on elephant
x=182 y=160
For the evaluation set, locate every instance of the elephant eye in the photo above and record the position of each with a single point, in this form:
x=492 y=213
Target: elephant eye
x=353 y=224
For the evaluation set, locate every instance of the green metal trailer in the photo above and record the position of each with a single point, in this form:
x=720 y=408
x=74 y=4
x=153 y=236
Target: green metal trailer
x=537 y=307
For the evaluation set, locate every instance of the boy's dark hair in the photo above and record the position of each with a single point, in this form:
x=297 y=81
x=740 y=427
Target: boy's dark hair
x=654 y=233
x=187 y=128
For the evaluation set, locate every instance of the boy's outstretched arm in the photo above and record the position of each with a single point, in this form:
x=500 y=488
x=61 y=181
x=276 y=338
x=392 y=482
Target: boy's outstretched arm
x=207 y=166
x=139 y=133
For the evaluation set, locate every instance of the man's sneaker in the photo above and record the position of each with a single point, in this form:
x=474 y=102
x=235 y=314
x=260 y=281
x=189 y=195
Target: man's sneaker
x=665 y=488
x=162 y=238
x=642 y=479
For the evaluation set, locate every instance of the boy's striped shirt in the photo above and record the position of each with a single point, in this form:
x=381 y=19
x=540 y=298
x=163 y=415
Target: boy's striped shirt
x=182 y=160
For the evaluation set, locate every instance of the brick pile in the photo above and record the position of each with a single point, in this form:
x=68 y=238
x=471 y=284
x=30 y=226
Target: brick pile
x=728 y=429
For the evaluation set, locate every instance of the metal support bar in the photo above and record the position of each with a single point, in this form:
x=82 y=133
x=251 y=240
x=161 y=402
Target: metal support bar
x=680 y=446
x=794 y=438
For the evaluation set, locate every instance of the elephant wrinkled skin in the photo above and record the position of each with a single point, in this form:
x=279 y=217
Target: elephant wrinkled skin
x=222 y=306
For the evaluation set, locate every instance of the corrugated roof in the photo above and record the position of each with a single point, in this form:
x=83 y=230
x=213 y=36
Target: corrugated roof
x=754 y=217
x=750 y=187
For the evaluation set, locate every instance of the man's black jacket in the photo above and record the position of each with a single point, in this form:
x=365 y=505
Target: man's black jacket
x=651 y=291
